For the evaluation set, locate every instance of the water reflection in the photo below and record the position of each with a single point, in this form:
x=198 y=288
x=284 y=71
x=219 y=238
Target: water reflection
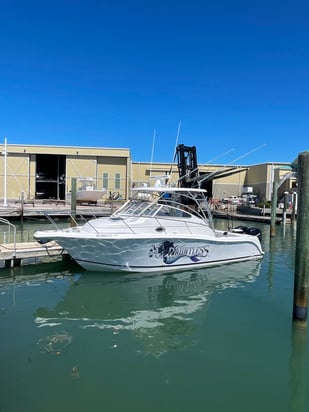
x=297 y=368
x=70 y=337
x=32 y=276
x=156 y=308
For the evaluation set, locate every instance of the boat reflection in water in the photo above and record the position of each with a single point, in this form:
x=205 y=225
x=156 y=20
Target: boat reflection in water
x=158 y=309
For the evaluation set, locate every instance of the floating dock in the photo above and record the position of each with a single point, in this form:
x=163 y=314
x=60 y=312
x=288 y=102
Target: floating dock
x=26 y=253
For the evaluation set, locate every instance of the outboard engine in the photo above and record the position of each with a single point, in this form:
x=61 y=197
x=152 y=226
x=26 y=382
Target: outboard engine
x=253 y=231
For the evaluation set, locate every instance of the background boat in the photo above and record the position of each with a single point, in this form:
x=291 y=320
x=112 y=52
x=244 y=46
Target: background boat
x=87 y=191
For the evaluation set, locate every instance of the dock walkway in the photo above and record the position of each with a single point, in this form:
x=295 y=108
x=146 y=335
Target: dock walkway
x=19 y=254
x=60 y=209
x=246 y=217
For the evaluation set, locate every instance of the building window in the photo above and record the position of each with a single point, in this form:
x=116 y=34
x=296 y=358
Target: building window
x=105 y=181
x=117 y=180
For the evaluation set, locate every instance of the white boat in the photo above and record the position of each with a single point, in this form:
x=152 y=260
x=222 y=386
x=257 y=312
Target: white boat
x=89 y=195
x=87 y=192
x=158 y=229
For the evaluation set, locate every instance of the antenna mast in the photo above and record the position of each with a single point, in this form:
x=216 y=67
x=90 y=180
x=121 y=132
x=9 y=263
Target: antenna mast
x=152 y=152
x=4 y=152
x=175 y=150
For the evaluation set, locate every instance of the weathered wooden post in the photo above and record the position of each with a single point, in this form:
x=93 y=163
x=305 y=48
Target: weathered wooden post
x=22 y=201
x=301 y=274
x=285 y=207
x=273 y=209
x=294 y=202
x=73 y=201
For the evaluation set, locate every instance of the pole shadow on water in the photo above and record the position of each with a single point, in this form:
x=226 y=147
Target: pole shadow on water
x=297 y=369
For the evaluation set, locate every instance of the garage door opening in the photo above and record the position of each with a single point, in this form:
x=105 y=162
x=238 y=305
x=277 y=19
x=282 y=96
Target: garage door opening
x=50 y=177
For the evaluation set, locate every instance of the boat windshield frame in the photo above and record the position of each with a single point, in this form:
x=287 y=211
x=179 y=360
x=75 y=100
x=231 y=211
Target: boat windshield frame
x=167 y=202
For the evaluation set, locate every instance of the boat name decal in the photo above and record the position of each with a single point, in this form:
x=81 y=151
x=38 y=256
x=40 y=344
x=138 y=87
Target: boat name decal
x=170 y=253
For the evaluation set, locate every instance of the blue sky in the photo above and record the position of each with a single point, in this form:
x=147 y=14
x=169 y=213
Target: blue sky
x=233 y=74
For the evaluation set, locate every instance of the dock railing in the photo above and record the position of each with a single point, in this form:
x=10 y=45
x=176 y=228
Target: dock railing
x=8 y=240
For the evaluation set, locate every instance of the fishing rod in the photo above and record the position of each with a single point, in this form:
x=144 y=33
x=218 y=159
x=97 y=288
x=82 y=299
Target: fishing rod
x=248 y=153
x=221 y=155
x=233 y=161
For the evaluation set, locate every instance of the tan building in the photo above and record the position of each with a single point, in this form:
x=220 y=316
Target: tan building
x=222 y=181
x=262 y=176
x=46 y=172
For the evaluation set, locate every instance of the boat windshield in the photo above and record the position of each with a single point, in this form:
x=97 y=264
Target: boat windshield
x=184 y=205
x=150 y=209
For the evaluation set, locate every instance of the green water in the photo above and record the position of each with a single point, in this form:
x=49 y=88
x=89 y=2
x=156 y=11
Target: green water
x=219 y=339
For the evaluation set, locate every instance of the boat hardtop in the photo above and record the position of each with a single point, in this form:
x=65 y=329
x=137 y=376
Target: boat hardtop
x=170 y=189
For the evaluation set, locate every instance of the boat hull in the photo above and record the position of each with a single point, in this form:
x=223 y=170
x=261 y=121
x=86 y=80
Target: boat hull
x=89 y=195
x=157 y=254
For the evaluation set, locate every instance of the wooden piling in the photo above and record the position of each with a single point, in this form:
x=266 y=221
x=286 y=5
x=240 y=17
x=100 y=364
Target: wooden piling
x=273 y=209
x=285 y=207
x=73 y=201
x=22 y=210
x=301 y=274
x=294 y=202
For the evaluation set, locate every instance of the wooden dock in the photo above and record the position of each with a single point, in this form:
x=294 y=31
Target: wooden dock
x=39 y=209
x=19 y=254
x=246 y=217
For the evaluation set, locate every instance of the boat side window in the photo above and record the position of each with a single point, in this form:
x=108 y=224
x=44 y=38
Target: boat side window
x=185 y=214
x=171 y=211
x=150 y=210
x=164 y=211
x=181 y=213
